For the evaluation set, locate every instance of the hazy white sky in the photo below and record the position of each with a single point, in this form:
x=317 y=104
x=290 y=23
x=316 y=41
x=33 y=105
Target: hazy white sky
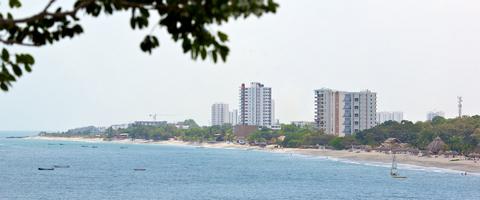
x=418 y=55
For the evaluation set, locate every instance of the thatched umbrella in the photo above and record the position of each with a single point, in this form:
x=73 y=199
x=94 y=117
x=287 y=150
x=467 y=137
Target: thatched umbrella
x=412 y=151
x=474 y=155
x=391 y=143
x=382 y=149
x=436 y=146
x=394 y=145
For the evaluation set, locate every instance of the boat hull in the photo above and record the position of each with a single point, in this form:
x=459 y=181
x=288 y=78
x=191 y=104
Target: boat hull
x=41 y=168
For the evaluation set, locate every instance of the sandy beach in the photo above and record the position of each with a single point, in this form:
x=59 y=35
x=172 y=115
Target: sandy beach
x=461 y=165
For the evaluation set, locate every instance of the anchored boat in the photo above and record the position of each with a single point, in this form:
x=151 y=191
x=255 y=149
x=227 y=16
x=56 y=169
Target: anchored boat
x=61 y=166
x=46 y=168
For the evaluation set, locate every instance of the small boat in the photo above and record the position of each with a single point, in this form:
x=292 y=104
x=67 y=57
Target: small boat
x=15 y=137
x=139 y=169
x=394 y=171
x=84 y=146
x=94 y=147
x=46 y=168
x=61 y=166
x=123 y=147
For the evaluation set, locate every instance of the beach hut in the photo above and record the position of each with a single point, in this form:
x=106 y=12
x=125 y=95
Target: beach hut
x=436 y=146
x=474 y=155
x=390 y=144
x=392 y=141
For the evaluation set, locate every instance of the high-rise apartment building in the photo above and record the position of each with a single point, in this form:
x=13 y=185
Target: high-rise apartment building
x=389 y=116
x=345 y=113
x=220 y=114
x=433 y=114
x=256 y=105
x=233 y=118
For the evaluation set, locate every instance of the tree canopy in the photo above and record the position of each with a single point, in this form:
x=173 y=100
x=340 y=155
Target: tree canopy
x=186 y=21
x=459 y=134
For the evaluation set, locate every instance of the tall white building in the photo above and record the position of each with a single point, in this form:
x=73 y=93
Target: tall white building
x=256 y=105
x=345 y=113
x=233 y=117
x=389 y=116
x=220 y=114
x=433 y=114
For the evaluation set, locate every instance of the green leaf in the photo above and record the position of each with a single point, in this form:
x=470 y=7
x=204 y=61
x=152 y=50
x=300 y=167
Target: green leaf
x=203 y=53
x=186 y=45
x=28 y=68
x=223 y=37
x=224 y=52
x=29 y=59
x=5 y=55
x=17 y=70
x=149 y=43
x=14 y=3
x=132 y=22
x=3 y=86
x=144 y=12
x=214 y=56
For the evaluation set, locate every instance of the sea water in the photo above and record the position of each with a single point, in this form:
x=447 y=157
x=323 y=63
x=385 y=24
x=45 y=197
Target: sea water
x=183 y=172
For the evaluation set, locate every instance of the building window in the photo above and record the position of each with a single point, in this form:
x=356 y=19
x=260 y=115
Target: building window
x=356 y=107
x=356 y=122
x=356 y=99
x=356 y=114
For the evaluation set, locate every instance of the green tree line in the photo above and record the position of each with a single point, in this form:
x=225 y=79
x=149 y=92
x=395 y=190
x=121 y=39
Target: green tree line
x=460 y=134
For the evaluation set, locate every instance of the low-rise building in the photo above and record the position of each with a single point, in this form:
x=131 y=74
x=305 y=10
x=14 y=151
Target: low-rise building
x=119 y=126
x=389 y=116
x=433 y=114
x=302 y=123
x=241 y=132
x=150 y=123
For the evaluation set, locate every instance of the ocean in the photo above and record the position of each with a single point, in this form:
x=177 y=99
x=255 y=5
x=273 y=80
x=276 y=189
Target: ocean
x=183 y=172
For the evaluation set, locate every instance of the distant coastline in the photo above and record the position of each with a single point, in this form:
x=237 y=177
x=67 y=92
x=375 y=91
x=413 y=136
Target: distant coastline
x=459 y=164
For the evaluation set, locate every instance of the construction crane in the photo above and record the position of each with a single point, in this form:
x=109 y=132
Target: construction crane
x=153 y=116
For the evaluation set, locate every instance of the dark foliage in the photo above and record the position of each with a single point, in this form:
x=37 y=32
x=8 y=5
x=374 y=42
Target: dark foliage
x=188 y=22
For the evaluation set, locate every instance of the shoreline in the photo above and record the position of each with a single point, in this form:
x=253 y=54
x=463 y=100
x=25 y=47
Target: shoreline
x=439 y=162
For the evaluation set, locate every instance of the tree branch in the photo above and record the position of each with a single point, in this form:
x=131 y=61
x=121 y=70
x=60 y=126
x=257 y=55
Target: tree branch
x=45 y=12
x=11 y=42
x=48 y=5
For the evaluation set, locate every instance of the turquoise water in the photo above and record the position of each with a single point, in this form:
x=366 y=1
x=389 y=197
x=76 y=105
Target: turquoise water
x=187 y=173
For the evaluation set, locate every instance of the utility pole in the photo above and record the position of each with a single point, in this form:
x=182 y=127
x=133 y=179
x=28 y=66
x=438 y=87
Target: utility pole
x=459 y=106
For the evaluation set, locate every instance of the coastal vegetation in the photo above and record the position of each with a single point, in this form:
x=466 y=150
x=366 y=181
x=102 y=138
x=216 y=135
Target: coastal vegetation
x=460 y=135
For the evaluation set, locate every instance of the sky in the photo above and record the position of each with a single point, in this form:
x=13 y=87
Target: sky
x=417 y=55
